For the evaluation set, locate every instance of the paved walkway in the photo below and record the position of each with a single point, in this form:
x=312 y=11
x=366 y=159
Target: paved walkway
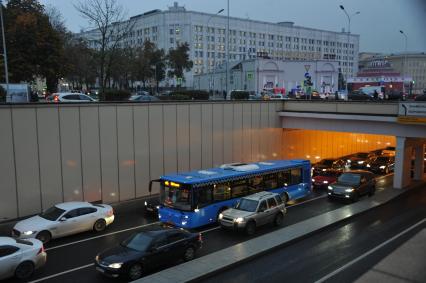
x=407 y=264
x=215 y=262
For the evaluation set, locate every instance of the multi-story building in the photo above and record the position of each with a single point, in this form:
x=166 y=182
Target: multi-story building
x=410 y=66
x=207 y=36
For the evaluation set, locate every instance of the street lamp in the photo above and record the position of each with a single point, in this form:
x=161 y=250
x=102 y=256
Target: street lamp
x=208 y=21
x=6 y=71
x=404 y=61
x=227 y=53
x=349 y=33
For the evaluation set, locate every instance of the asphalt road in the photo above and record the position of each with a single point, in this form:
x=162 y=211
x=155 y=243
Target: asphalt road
x=315 y=257
x=71 y=259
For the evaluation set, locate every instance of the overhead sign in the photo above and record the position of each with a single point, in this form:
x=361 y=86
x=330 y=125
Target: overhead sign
x=412 y=113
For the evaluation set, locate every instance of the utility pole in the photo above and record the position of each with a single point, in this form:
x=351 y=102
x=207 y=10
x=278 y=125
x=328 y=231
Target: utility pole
x=6 y=71
x=214 y=53
x=227 y=54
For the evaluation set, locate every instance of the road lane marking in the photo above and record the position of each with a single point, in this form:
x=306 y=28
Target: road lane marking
x=62 y=273
x=306 y=201
x=328 y=276
x=209 y=230
x=101 y=236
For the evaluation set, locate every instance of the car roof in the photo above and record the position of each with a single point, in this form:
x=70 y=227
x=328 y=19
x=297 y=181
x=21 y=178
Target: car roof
x=72 y=205
x=362 y=172
x=7 y=241
x=260 y=195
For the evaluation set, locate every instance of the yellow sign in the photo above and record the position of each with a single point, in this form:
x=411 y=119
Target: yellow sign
x=411 y=120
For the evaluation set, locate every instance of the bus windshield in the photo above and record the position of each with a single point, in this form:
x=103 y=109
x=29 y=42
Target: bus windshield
x=176 y=196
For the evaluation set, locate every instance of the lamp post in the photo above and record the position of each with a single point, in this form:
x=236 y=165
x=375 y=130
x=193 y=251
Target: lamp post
x=214 y=53
x=227 y=53
x=404 y=61
x=349 y=33
x=6 y=71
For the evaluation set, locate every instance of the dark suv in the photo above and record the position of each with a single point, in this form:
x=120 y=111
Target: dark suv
x=353 y=184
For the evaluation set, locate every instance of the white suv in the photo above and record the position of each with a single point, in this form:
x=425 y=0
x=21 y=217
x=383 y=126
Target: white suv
x=253 y=211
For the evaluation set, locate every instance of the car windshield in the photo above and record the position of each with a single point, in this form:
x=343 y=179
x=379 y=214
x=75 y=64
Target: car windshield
x=134 y=97
x=176 y=196
x=52 y=213
x=349 y=178
x=361 y=155
x=326 y=162
x=328 y=173
x=138 y=242
x=247 y=205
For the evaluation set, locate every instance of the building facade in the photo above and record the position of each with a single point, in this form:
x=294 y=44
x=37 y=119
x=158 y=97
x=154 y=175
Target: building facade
x=261 y=74
x=206 y=35
x=407 y=67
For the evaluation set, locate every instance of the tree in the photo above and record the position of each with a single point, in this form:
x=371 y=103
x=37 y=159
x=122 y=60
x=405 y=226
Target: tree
x=179 y=61
x=143 y=64
x=107 y=18
x=159 y=63
x=121 y=71
x=35 y=48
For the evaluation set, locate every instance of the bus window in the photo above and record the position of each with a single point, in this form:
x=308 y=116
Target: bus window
x=284 y=178
x=255 y=184
x=221 y=192
x=296 y=176
x=176 y=196
x=239 y=188
x=203 y=196
x=270 y=181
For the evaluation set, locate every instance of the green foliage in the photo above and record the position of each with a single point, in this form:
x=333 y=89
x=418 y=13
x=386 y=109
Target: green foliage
x=179 y=61
x=116 y=95
x=174 y=97
x=193 y=94
x=240 y=95
x=2 y=94
x=35 y=47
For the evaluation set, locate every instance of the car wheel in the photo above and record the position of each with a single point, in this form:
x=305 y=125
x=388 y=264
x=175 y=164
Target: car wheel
x=189 y=254
x=251 y=228
x=24 y=270
x=135 y=271
x=355 y=198
x=278 y=220
x=372 y=191
x=44 y=237
x=99 y=225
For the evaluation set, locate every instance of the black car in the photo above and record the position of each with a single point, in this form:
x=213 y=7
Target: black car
x=420 y=97
x=146 y=251
x=353 y=184
x=358 y=160
x=381 y=164
x=384 y=151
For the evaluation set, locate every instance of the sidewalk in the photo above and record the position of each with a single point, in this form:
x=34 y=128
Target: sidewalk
x=407 y=264
x=215 y=262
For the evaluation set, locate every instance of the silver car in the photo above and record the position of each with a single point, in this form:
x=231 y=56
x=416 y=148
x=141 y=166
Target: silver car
x=253 y=211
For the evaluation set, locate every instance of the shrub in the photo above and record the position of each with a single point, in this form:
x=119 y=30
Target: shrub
x=2 y=94
x=192 y=94
x=116 y=95
x=174 y=97
x=239 y=95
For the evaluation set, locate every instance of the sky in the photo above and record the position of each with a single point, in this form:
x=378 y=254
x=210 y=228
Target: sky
x=378 y=24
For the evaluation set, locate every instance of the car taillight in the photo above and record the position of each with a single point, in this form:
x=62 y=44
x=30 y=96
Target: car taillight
x=56 y=99
x=41 y=250
x=200 y=238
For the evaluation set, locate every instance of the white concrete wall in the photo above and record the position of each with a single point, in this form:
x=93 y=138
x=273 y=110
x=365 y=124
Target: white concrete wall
x=109 y=152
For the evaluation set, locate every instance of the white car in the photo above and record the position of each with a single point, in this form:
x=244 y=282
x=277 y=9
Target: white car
x=70 y=97
x=65 y=219
x=20 y=258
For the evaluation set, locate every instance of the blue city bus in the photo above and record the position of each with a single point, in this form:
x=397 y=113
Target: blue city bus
x=196 y=198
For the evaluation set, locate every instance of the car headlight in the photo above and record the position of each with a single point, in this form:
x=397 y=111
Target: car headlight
x=361 y=162
x=349 y=190
x=325 y=182
x=97 y=258
x=313 y=180
x=382 y=167
x=115 y=265
x=349 y=161
x=323 y=170
x=220 y=215
x=239 y=220
x=330 y=188
x=368 y=165
x=146 y=204
x=28 y=233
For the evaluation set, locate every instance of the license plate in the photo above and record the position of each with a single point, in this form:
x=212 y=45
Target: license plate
x=100 y=269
